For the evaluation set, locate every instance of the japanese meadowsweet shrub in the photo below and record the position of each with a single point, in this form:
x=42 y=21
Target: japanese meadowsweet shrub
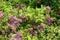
x=18 y=22
x=13 y=20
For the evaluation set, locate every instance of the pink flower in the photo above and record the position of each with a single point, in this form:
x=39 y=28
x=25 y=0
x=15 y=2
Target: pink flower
x=18 y=36
x=32 y=32
x=11 y=27
x=14 y=20
x=1 y=14
x=49 y=20
x=34 y=27
x=30 y=29
x=41 y=26
x=48 y=9
x=3 y=32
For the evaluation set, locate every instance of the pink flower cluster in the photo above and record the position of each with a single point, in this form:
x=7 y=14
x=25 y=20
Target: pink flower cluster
x=1 y=14
x=41 y=26
x=18 y=36
x=48 y=9
x=32 y=32
x=14 y=20
x=11 y=27
x=49 y=20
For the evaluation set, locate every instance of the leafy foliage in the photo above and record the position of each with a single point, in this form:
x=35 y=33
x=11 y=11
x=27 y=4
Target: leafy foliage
x=30 y=19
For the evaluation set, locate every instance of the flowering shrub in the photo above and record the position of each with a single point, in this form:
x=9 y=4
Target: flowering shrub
x=32 y=21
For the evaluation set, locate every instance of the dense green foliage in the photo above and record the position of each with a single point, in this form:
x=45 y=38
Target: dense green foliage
x=44 y=15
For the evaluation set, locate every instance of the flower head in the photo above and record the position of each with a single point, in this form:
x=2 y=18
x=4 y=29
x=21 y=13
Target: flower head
x=18 y=36
x=41 y=26
x=1 y=14
x=32 y=32
x=48 y=9
x=49 y=20
x=30 y=29
x=11 y=27
x=14 y=20
x=3 y=32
